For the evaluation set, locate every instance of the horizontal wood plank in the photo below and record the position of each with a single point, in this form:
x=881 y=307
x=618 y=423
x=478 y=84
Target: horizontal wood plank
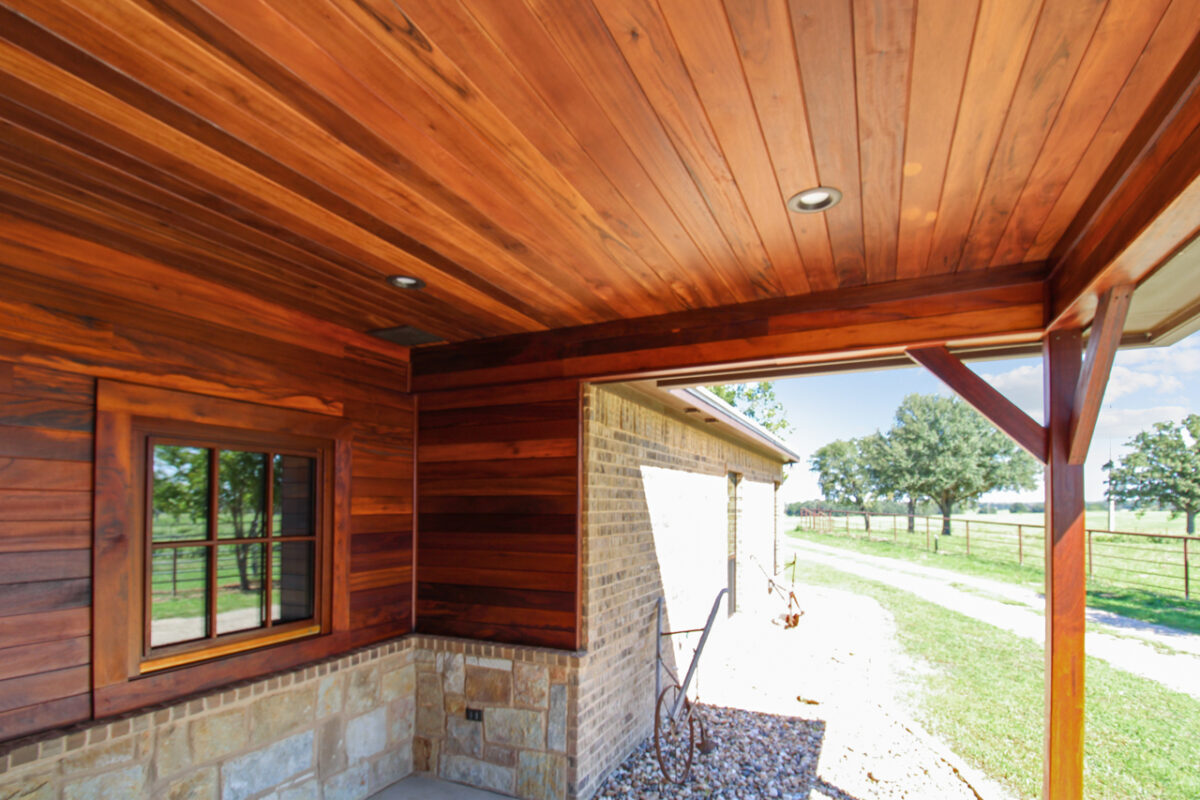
x=29 y=598
x=46 y=626
x=44 y=656
x=43 y=687
x=44 y=715
x=48 y=565
x=29 y=504
x=45 y=474
x=45 y=443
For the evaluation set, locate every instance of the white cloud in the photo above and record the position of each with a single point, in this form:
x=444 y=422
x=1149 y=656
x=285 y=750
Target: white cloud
x=1120 y=424
x=1181 y=357
x=1022 y=385
x=1123 y=381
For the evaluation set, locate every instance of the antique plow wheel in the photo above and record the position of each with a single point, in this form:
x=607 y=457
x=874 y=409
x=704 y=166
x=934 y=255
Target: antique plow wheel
x=676 y=726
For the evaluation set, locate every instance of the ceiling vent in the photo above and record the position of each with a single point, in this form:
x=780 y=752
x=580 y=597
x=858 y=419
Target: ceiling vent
x=407 y=335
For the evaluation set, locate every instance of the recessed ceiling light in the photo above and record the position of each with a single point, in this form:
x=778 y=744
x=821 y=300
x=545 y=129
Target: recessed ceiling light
x=810 y=201
x=405 y=282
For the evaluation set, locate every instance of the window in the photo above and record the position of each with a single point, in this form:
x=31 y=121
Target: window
x=232 y=542
x=221 y=546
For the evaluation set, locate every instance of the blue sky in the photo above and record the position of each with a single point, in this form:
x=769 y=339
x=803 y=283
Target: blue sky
x=1147 y=385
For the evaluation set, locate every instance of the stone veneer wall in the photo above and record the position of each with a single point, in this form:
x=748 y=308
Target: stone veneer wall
x=340 y=730
x=527 y=695
x=624 y=430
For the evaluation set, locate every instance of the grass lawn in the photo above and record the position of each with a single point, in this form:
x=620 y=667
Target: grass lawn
x=983 y=697
x=1162 y=609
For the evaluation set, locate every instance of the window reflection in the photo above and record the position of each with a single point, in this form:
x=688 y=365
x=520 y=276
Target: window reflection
x=180 y=507
x=179 y=595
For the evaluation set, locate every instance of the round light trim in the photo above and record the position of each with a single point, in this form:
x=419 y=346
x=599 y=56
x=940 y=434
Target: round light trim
x=811 y=201
x=405 y=282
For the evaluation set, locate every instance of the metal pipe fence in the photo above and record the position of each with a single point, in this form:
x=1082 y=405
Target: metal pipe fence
x=1155 y=562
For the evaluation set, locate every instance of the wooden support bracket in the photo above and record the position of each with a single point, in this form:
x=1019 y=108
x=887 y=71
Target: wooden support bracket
x=1103 y=341
x=1003 y=413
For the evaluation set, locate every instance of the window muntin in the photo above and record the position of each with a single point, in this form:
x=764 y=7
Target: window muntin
x=215 y=511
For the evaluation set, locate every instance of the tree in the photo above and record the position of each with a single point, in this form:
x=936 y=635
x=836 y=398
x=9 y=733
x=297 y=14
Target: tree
x=1162 y=469
x=895 y=473
x=758 y=402
x=946 y=451
x=181 y=489
x=844 y=474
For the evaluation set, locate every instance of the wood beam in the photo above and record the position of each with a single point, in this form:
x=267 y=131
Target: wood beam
x=1000 y=307
x=1065 y=578
x=1145 y=207
x=1103 y=341
x=1003 y=413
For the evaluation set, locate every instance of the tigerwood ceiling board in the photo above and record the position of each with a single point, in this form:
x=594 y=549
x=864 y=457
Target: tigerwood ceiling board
x=503 y=50
x=1002 y=36
x=497 y=543
x=824 y=40
x=527 y=197
x=941 y=46
x=701 y=32
x=1061 y=39
x=762 y=31
x=209 y=158
x=548 y=166
x=1130 y=57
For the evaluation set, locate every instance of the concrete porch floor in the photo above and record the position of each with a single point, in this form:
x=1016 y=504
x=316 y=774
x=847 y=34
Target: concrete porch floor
x=422 y=787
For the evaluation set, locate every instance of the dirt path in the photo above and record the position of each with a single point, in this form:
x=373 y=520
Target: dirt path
x=842 y=671
x=1162 y=654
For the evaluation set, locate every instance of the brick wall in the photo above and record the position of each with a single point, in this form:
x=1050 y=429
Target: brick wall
x=627 y=434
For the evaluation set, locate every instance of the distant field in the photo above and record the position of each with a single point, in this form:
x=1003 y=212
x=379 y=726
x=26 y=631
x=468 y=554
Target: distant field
x=1146 y=560
x=1150 y=522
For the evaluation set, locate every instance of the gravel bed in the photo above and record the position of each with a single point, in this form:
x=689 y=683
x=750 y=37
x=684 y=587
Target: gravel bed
x=757 y=755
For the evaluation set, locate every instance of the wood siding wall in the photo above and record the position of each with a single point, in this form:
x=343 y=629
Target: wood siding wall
x=497 y=510
x=72 y=311
x=46 y=423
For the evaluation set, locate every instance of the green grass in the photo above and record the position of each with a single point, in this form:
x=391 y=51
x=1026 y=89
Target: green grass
x=1162 y=609
x=191 y=604
x=983 y=697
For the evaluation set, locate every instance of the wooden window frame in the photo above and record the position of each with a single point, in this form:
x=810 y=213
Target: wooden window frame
x=127 y=417
x=149 y=433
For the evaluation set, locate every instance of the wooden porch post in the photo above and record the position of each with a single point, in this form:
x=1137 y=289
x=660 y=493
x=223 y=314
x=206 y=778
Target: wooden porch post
x=1065 y=581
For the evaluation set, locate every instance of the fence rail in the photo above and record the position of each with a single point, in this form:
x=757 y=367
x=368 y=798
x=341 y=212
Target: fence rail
x=1156 y=562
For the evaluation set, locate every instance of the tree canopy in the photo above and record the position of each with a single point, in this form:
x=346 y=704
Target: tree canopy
x=952 y=455
x=758 y=402
x=844 y=473
x=1162 y=469
x=938 y=448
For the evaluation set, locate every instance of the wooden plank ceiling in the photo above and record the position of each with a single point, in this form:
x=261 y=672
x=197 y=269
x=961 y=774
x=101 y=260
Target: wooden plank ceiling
x=551 y=163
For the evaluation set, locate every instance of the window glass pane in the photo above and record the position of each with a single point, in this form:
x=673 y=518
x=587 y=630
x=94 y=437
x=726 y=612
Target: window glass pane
x=178 y=595
x=295 y=491
x=241 y=480
x=180 y=504
x=292 y=581
x=239 y=587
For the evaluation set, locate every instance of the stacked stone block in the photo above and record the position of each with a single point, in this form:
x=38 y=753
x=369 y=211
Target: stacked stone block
x=341 y=730
x=524 y=744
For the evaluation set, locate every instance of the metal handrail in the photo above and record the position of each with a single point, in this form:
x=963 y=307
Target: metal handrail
x=660 y=665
